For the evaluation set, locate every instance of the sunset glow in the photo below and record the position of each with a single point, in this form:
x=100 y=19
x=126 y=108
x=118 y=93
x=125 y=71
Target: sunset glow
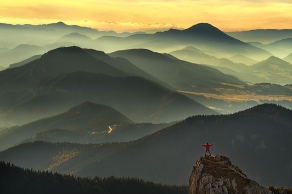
x=132 y=15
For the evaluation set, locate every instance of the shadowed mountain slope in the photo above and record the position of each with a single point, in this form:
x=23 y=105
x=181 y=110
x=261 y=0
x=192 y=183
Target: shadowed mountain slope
x=15 y=179
x=86 y=117
x=84 y=123
x=137 y=98
x=206 y=36
x=273 y=70
x=179 y=74
x=61 y=60
x=203 y=36
x=124 y=65
x=249 y=137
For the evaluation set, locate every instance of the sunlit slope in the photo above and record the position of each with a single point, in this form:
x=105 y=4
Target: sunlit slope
x=250 y=138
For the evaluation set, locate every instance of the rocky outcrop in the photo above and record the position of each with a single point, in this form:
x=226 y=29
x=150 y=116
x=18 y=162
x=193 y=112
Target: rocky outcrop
x=216 y=174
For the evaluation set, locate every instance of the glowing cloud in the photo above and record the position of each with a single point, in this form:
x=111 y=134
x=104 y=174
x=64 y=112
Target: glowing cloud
x=120 y=15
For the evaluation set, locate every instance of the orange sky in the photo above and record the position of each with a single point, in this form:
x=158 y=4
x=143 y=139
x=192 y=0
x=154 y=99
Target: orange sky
x=132 y=15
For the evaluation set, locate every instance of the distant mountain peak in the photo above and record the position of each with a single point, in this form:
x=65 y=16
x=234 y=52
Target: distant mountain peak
x=203 y=26
x=268 y=109
x=67 y=49
x=88 y=105
x=75 y=35
x=274 y=59
x=60 y=23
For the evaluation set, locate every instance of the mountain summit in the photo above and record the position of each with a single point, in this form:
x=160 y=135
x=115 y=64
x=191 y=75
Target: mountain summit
x=204 y=28
x=216 y=174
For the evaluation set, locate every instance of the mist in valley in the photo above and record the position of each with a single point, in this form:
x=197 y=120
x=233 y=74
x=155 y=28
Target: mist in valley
x=80 y=101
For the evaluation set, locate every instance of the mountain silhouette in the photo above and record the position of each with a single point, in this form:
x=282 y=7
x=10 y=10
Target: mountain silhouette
x=19 y=53
x=179 y=74
x=255 y=139
x=273 y=70
x=264 y=36
x=242 y=59
x=124 y=65
x=201 y=28
x=288 y=58
x=194 y=55
x=84 y=123
x=76 y=39
x=28 y=60
x=204 y=33
x=202 y=36
x=57 y=61
x=137 y=98
x=285 y=44
x=276 y=51
x=86 y=117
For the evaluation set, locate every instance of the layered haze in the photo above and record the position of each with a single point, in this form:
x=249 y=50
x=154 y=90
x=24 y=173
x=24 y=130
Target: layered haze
x=91 y=102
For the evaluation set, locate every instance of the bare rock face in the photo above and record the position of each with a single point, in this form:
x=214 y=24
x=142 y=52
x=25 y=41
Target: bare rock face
x=216 y=174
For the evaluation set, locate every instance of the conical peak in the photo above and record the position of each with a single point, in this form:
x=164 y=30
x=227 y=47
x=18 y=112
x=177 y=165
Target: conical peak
x=203 y=26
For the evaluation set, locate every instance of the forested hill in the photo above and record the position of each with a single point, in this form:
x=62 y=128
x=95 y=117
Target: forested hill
x=14 y=179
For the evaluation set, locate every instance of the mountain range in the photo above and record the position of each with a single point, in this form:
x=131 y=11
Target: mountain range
x=179 y=74
x=84 y=123
x=60 y=79
x=202 y=36
x=79 y=101
x=271 y=70
x=288 y=58
x=264 y=36
x=258 y=140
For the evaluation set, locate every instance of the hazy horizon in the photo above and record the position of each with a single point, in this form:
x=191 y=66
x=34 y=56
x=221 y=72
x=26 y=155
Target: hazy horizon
x=137 y=15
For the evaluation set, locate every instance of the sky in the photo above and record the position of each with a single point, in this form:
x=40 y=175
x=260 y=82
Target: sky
x=136 y=15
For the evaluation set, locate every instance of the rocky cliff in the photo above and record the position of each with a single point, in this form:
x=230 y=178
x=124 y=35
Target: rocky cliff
x=216 y=174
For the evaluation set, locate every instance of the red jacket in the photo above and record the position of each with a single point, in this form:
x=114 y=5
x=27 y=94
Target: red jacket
x=207 y=146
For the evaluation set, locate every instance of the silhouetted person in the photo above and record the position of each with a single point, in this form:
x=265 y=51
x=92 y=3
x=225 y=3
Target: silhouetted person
x=207 y=146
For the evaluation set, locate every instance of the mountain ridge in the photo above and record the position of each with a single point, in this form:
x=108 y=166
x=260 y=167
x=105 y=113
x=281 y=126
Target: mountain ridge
x=249 y=139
